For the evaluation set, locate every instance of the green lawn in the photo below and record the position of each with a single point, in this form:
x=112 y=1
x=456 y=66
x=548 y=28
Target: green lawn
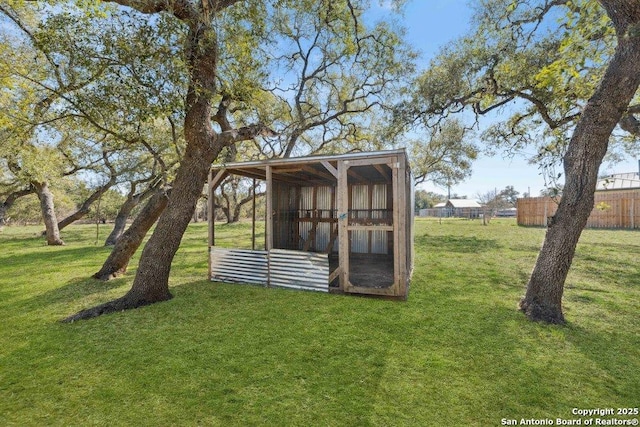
x=457 y=353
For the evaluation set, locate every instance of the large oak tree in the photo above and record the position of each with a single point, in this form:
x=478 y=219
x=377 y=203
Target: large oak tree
x=203 y=144
x=588 y=146
x=543 y=70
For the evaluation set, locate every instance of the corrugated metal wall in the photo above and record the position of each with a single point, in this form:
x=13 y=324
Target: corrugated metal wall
x=306 y=211
x=359 y=203
x=324 y=199
x=238 y=265
x=278 y=268
x=308 y=203
x=379 y=239
x=362 y=240
x=299 y=270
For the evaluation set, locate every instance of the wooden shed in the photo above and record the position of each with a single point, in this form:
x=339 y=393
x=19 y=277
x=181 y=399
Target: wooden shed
x=339 y=223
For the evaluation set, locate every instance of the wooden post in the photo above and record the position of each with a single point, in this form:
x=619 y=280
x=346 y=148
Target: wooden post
x=253 y=217
x=210 y=219
x=210 y=208
x=342 y=191
x=398 y=204
x=268 y=235
x=400 y=269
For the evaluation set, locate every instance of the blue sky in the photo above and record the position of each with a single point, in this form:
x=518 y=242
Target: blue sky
x=431 y=24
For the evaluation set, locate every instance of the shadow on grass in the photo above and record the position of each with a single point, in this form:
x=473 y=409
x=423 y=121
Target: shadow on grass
x=51 y=256
x=75 y=289
x=614 y=354
x=458 y=244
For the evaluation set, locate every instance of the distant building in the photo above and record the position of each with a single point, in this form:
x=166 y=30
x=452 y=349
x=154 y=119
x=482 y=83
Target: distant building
x=619 y=181
x=463 y=208
x=454 y=208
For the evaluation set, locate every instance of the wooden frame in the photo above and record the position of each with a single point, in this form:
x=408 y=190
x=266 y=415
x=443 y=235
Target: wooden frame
x=343 y=174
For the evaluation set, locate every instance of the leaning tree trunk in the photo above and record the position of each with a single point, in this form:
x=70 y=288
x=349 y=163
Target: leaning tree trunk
x=127 y=207
x=52 y=233
x=85 y=208
x=588 y=145
x=151 y=283
x=10 y=200
x=121 y=221
x=117 y=262
x=3 y=214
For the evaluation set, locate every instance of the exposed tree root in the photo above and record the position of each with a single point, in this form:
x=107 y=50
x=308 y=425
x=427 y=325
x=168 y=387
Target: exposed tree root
x=120 y=304
x=106 y=275
x=541 y=313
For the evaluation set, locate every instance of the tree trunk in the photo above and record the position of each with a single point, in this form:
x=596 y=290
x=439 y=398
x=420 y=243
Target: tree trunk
x=120 y=222
x=151 y=283
x=3 y=214
x=52 y=233
x=85 y=208
x=10 y=200
x=124 y=213
x=588 y=145
x=117 y=262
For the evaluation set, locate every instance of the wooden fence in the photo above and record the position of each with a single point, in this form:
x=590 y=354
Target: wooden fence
x=612 y=209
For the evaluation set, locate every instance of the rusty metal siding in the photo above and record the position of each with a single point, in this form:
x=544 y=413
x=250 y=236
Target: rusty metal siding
x=299 y=270
x=237 y=265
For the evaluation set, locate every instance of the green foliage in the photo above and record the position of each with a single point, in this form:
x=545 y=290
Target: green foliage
x=27 y=210
x=427 y=199
x=224 y=354
x=530 y=67
x=447 y=157
x=341 y=75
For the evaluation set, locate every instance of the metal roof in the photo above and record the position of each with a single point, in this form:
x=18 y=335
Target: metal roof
x=313 y=169
x=313 y=159
x=464 y=203
x=619 y=181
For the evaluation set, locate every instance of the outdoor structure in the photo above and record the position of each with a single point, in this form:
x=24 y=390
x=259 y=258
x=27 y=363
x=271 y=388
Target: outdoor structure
x=454 y=208
x=464 y=208
x=341 y=223
x=616 y=205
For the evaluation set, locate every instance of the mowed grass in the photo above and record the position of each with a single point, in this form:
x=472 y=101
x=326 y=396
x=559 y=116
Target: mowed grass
x=457 y=353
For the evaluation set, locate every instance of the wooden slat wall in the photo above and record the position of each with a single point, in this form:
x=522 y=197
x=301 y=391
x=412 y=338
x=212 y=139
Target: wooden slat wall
x=612 y=209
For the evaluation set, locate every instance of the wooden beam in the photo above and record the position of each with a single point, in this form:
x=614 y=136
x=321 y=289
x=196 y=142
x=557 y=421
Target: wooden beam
x=390 y=161
x=398 y=206
x=210 y=210
x=370 y=228
x=313 y=171
x=214 y=182
x=257 y=174
x=383 y=172
x=328 y=166
x=253 y=216
x=210 y=219
x=342 y=191
x=357 y=176
x=268 y=244
x=335 y=274
x=287 y=179
x=288 y=169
